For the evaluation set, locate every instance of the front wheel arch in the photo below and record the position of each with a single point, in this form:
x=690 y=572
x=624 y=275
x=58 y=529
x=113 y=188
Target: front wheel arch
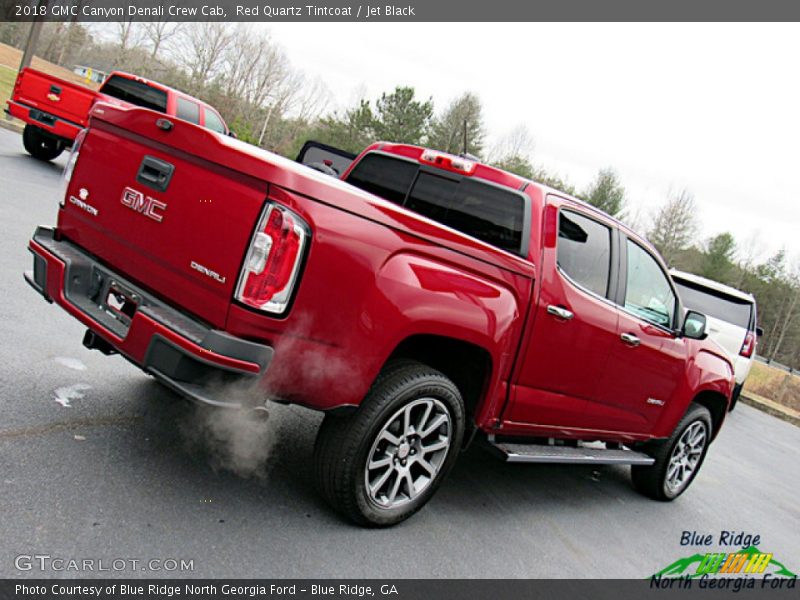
x=717 y=405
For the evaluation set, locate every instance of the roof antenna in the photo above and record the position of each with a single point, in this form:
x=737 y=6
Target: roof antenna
x=465 y=137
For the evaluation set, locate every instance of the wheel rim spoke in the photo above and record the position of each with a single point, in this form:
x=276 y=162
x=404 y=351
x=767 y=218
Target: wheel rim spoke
x=395 y=488
x=436 y=446
x=380 y=462
x=436 y=423
x=407 y=420
x=410 y=484
x=425 y=416
x=389 y=437
x=427 y=466
x=375 y=487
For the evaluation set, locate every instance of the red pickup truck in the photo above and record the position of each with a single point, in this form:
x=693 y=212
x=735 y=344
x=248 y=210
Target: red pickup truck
x=56 y=110
x=421 y=300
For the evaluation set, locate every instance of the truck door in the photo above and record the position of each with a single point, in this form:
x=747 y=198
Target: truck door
x=574 y=322
x=647 y=357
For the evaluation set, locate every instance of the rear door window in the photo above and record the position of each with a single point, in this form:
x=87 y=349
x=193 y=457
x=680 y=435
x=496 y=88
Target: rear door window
x=188 y=110
x=584 y=251
x=135 y=92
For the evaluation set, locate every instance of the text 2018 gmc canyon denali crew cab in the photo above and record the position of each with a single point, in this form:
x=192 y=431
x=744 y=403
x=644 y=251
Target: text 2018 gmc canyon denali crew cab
x=56 y=110
x=421 y=300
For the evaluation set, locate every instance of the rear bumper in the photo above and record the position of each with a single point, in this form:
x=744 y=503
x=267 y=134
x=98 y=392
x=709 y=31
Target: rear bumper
x=191 y=358
x=63 y=129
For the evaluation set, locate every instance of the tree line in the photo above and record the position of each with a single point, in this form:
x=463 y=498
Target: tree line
x=269 y=103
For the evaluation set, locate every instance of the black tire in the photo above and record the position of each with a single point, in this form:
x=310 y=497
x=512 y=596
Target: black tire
x=652 y=481
x=345 y=445
x=39 y=145
x=737 y=391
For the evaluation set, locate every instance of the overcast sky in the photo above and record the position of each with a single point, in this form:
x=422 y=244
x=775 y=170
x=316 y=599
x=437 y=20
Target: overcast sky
x=710 y=107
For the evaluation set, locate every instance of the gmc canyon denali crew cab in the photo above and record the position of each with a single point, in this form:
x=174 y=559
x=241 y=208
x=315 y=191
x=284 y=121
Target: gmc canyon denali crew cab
x=56 y=110
x=421 y=300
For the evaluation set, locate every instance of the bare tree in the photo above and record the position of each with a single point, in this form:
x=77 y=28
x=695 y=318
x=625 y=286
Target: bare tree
x=789 y=310
x=518 y=142
x=205 y=45
x=159 y=33
x=750 y=251
x=674 y=225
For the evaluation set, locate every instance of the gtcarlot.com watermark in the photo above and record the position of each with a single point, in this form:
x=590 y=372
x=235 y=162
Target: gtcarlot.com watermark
x=47 y=563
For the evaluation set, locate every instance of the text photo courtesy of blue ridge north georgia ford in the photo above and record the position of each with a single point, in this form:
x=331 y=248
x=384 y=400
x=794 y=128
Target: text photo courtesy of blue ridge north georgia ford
x=395 y=301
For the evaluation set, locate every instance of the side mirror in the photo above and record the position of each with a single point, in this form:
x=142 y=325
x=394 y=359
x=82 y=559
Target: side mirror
x=694 y=325
x=759 y=331
x=233 y=135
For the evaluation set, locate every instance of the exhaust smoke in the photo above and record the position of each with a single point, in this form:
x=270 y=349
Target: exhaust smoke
x=240 y=441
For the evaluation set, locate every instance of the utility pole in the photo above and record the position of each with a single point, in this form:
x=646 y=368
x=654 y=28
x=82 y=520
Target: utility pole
x=33 y=36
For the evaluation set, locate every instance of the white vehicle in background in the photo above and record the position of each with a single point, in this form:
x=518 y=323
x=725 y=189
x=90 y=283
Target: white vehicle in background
x=731 y=319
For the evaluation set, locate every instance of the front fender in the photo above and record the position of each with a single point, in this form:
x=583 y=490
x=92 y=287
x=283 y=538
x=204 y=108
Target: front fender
x=708 y=371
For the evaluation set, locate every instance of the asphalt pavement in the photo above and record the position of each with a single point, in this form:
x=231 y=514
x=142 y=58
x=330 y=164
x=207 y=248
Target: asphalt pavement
x=98 y=462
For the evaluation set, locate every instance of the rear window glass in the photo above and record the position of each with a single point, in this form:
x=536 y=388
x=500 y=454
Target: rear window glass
x=715 y=304
x=384 y=176
x=135 y=92
x=490 y=213
x=188 y=110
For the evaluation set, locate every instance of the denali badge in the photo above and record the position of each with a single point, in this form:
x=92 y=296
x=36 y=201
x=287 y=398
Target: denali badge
x=206 y=271
x=149 y=207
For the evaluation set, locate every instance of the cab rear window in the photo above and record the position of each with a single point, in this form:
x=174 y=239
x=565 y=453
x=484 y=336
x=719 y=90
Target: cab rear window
x=716 y=304
x=491 y=213
x=135 y=92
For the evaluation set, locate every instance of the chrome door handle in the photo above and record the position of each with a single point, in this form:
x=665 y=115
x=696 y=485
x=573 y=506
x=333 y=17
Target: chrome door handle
x=560 y=312
x=630 y=339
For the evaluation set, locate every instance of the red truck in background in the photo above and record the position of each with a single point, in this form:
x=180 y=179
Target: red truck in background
x=56 y=110
x=422 y=300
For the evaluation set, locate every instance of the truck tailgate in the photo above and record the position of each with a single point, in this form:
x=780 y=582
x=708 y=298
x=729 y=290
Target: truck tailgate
x=53 y=95
x=184 y=237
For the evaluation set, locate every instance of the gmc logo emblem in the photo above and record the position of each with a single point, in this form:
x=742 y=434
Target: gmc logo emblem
x=149 y=207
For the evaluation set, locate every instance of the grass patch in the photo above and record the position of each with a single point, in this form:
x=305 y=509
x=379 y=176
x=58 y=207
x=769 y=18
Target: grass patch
x=7 y=78
x=774 y=384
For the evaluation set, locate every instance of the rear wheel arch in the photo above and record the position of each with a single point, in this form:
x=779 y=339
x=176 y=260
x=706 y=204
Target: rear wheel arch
x=468 y=365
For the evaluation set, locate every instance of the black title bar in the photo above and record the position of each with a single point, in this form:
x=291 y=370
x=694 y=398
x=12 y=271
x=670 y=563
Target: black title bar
x=400 y=10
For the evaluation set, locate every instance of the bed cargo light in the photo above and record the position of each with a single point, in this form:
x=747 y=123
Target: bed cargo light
x=448 y=161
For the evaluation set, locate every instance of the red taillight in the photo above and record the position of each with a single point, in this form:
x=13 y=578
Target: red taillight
x=749 y=345
x=70 y=166
x=270 y=269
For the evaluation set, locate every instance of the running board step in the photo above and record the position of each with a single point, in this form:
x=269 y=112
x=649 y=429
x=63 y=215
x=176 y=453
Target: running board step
x=540 y=453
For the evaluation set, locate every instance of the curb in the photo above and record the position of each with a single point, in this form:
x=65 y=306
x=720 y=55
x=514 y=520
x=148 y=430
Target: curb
x=11 y=125
x=771 y=408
